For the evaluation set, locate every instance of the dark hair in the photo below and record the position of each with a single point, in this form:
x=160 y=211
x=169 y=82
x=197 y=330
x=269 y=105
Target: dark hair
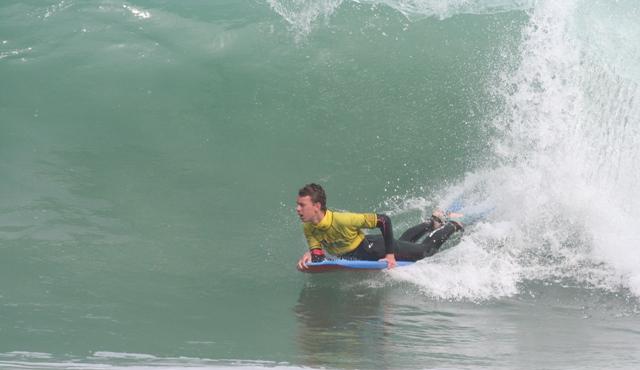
x=316 y=192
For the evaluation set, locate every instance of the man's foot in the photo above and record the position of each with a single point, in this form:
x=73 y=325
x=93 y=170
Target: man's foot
x=457 y=219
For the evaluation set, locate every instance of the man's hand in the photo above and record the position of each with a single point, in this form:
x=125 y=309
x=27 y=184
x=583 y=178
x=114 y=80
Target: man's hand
x=302 y=262
x=391 y=260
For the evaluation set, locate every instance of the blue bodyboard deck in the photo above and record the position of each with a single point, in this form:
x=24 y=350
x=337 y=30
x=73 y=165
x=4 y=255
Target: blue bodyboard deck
x=340 y=264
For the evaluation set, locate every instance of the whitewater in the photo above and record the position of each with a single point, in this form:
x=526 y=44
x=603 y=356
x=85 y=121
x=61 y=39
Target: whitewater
x=567 y=152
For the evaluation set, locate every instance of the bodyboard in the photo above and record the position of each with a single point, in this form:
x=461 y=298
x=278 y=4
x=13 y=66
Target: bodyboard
x=342 y=264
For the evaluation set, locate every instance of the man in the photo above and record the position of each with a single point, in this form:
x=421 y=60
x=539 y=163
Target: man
x=340 y=233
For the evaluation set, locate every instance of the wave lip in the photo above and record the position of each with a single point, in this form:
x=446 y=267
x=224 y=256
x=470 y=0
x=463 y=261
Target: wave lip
x=442 y=9
x=302 y=15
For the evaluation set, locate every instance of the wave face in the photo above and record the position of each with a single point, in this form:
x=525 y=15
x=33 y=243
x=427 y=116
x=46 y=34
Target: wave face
x=151 y=151
x=566 y=149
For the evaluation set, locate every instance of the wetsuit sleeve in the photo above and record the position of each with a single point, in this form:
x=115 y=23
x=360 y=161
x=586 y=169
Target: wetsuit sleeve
x=383 y=222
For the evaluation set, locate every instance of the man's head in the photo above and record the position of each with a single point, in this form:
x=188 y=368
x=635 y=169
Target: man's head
x=311 y=203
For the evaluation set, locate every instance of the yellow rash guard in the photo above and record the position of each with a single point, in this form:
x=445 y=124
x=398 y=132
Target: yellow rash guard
x=339 y=232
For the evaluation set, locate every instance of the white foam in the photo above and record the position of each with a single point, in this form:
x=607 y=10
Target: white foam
x=128 y=361
x=120 y=355
x=142 y=14
x=26 y=354
x=474 y=270
x=14 y=53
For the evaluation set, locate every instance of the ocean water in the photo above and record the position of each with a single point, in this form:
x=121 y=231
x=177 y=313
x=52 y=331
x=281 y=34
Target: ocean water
x=151 y=151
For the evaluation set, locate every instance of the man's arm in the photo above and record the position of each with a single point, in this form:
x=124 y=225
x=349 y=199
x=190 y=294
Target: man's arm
x=383 y=222
x=302 y=262
x=313 y=255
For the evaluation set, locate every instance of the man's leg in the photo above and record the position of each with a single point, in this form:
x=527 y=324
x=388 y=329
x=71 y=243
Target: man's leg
x=414 y=233
x=411 y=251
x=433 y=241
x=371 y=249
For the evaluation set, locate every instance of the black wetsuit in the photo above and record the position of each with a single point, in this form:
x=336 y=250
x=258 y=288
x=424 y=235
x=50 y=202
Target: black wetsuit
x=407 y=247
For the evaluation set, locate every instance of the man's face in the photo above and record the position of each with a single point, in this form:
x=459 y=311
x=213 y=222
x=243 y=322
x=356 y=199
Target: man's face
x=306 y=209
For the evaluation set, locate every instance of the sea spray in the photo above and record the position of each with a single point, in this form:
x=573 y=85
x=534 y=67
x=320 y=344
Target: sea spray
x=565 y=166
x=566 y=130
